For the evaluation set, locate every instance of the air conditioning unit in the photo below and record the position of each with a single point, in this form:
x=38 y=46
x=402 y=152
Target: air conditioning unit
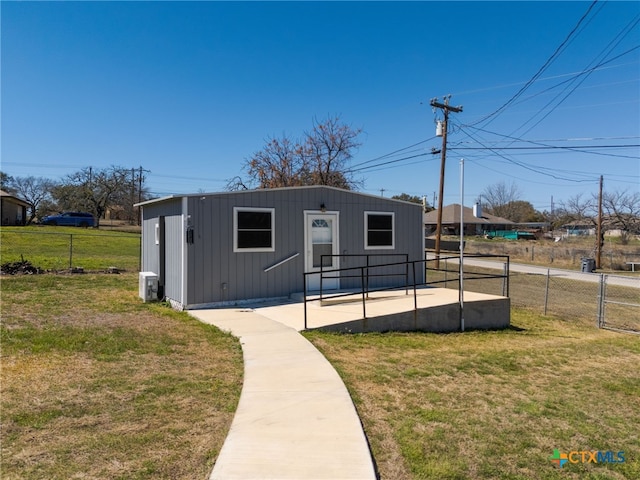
x=148 y=286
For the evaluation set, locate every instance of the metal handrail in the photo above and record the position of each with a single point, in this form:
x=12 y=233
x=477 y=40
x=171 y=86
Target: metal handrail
x=364 y=276
x=367 y=256
x=281 y=262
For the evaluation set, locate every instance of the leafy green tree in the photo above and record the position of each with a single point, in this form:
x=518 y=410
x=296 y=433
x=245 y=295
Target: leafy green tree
x=413 y=199
x=522 y=211
x=5 y=183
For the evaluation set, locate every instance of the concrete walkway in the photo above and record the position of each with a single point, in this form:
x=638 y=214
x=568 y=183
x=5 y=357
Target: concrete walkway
x=295 y=418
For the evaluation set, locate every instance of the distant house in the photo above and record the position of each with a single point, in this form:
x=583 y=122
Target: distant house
x=586 y=226
x=475 y=221
x=612 y=226
x=223 y=248
x=13 y=209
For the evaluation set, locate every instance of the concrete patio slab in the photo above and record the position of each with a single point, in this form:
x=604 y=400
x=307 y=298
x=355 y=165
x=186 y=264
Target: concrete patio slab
x=438 y=310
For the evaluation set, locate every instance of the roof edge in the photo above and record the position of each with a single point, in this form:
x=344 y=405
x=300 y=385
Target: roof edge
x=236 y=192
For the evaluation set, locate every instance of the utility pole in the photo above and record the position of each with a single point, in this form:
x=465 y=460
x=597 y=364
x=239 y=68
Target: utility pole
x=140 y=178
x=133 y=193
x=599 y=233
x=140 y=185
x=446 y=108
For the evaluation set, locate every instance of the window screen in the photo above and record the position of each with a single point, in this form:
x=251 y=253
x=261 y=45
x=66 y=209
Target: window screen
x=254 y=229
x=379 y=230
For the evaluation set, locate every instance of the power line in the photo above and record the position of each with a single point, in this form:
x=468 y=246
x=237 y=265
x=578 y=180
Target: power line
x=527 y=180
x=584 y=72
x=374 y=169
x=541 y=70
x=393 y=153
x=523 y=165
x=539 y=143
x=548 y=147
x=622 y=34
x=353 y=170
x=552 y=77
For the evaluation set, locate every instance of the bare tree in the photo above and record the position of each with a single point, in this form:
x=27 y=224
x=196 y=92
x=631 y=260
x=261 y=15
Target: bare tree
x=321 y=158
x=328 y=148
x=236 y=184
x=622 y=211
x=499 y=199
x=36 y=191
x=279 y=164
x=93 y=190
x=579 y=208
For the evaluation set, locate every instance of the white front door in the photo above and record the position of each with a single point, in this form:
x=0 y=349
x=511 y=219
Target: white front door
x=321 y=238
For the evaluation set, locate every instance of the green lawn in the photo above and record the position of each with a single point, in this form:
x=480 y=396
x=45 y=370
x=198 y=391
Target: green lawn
x=494 y=404
x=60 y=248
x=96 y=384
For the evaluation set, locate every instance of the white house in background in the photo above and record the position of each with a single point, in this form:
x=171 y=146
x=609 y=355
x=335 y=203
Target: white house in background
x=13 y=209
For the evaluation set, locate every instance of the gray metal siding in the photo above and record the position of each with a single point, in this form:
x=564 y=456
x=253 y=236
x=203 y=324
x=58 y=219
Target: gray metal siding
x=215 y=273
x=407 y=238
x=172 y=211
x=174 y=245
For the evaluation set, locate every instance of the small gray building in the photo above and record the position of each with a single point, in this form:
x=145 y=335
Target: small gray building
x=224 y=248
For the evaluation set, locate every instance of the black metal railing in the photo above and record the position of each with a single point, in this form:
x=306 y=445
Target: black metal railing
x=367 y=265
x=468 y=274
x=364 y=273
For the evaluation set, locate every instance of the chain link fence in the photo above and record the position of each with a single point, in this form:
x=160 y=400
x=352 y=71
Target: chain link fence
x=565 y=254
x=609 y=301
x=58 y=251
x=619 y=306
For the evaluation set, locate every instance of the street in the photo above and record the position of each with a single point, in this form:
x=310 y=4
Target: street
x=624 y=281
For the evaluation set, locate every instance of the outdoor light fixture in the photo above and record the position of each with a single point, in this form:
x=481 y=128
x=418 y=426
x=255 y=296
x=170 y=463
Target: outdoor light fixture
x=323 y=207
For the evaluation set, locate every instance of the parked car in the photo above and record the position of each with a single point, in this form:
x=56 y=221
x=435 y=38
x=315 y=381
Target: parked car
x=70 y=219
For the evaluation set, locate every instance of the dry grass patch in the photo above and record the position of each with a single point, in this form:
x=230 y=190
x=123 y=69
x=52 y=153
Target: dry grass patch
x=96 y=384
x=494 y=404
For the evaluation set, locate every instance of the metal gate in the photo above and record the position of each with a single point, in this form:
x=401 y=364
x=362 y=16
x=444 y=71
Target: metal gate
x=618 y=305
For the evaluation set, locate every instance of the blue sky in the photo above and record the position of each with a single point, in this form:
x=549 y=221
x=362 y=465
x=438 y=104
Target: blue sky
x=189 y=90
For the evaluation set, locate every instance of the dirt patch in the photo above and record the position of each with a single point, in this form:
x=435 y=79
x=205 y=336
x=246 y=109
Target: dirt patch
x=22 y=267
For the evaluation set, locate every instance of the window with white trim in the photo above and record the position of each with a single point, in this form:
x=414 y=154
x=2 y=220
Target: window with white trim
x=379 y=230
x=253 y=229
